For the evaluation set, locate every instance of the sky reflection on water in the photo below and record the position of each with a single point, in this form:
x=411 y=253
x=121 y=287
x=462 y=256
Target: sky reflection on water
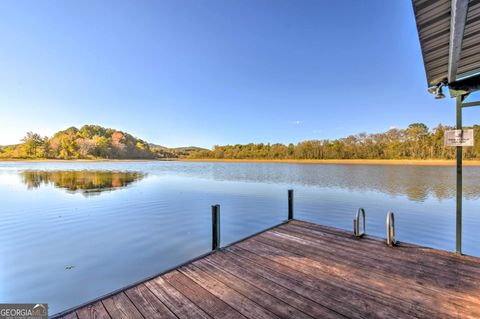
x=149 y=216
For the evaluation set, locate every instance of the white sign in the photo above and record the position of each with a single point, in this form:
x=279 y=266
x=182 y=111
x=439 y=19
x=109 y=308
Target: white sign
x=459 y=138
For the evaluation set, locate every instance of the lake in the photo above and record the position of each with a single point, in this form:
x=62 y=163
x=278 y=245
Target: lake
x=72 y=231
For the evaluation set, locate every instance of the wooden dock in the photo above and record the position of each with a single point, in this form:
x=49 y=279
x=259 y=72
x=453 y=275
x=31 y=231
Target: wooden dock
x=304 y=270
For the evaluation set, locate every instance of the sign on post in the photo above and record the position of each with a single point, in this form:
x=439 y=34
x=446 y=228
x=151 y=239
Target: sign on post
x=459 y=138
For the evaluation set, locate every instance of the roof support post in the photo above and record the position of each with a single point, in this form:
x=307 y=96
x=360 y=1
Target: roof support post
x=457 y=27
x=459 y=101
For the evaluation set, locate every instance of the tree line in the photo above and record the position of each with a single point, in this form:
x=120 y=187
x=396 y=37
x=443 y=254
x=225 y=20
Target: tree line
x=88 y=142
x=414 y=142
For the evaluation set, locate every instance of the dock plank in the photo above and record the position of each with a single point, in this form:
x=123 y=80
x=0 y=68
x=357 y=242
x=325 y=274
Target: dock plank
x=364 y=246
x=93 y=311
x=236 y=300
x=408 y=250
x=174 y=300
x=371 y=280
x=422 y=276
x=465 y=265
x=340 y=278
x=215 y=307
x=148 y=304
x=304 y=270
x=348 y=302
x=383 y=268
x=267 y=298
x=71 y=315
x=271 y=282
x=119 y=306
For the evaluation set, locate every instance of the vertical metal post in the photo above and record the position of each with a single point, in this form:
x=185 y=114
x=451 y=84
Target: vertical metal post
x=391 y=229
x=215 y=227
x=459 y=179
x=290 y=204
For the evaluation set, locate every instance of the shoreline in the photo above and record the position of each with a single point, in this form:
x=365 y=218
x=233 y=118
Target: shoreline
x=343 y=162
x=286 y=161
x=100 y=160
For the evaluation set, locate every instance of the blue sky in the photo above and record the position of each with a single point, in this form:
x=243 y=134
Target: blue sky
x=190 y=72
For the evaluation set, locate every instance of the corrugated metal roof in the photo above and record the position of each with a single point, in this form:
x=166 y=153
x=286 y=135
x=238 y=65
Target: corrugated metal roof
x=433 y=25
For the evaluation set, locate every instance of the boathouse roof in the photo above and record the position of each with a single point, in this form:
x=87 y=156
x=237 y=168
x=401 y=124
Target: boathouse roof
x=449 y=33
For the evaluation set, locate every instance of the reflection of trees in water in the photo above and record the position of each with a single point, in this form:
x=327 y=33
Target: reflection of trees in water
x=418 y=183
x=85 y=182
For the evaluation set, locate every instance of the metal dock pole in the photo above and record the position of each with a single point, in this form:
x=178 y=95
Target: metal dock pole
x=290 y=204
x=215 y=227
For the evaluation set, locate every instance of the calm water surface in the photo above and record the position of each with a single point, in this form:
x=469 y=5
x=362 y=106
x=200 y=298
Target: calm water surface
x=70 y=232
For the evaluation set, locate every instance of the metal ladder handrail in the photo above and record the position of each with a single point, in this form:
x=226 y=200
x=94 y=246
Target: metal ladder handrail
x=356 y=223
x=391 y=229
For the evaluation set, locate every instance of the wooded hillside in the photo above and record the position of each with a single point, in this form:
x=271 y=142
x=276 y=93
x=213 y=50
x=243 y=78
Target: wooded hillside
x=88 y=142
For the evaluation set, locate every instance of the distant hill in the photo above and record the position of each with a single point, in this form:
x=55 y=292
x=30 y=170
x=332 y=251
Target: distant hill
x=184 y=151
x=189 y=149
x=90 y=142
x=157 y=146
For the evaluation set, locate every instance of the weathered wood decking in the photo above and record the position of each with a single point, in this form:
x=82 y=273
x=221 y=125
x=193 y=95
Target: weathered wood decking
x=304 y=270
